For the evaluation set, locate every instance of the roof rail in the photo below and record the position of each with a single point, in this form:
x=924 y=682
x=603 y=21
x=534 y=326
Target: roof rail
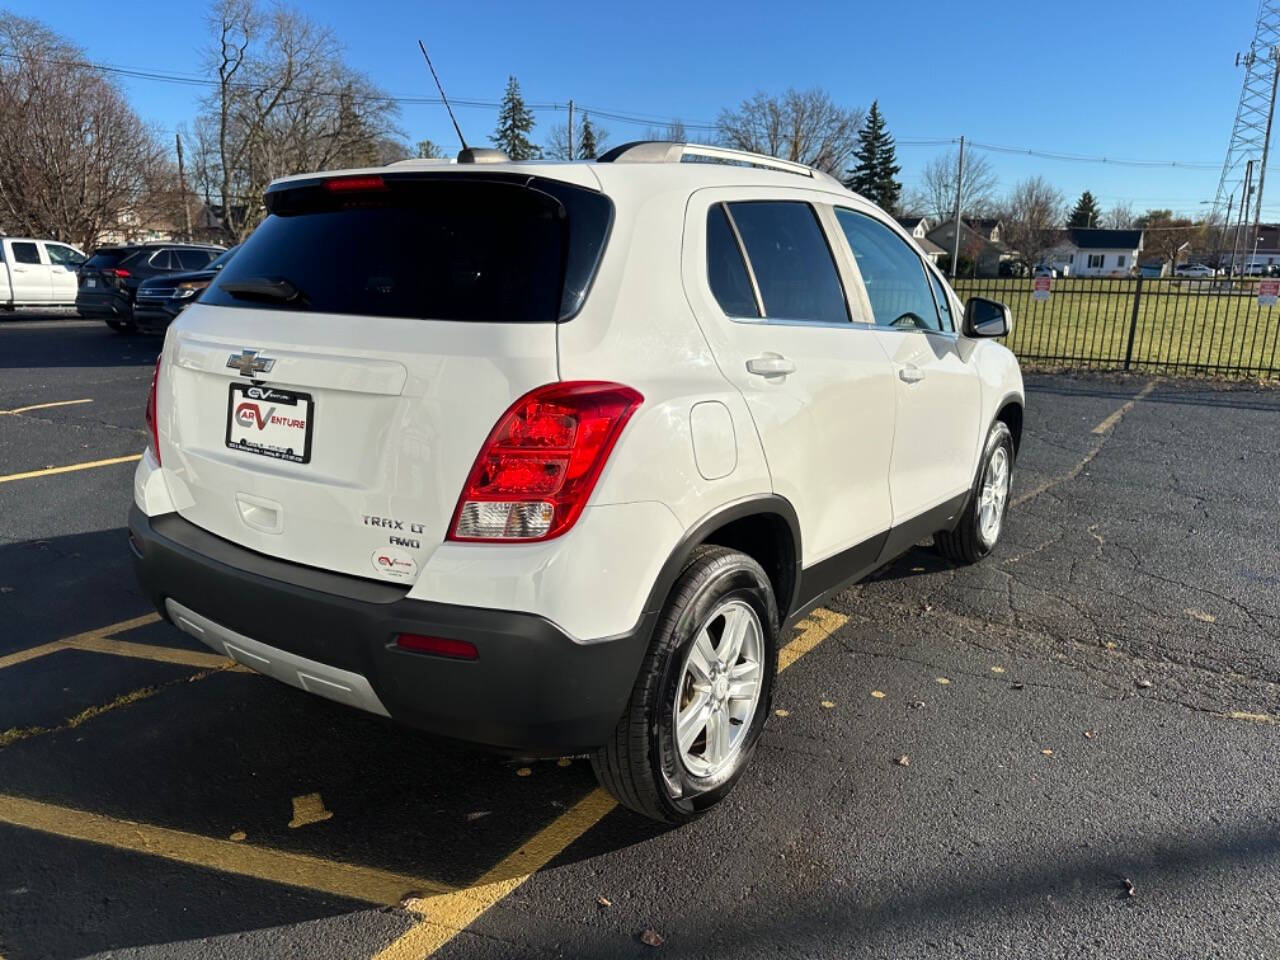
x=663 y=151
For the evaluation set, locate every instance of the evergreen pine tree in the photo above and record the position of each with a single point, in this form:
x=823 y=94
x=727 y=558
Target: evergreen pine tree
x=1086 y=213
x=877 y=169
x=587 y=147
x=515 y=123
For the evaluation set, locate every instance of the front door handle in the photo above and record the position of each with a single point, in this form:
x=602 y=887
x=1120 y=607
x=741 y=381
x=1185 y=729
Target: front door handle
x=771 y=365
x=910 y=374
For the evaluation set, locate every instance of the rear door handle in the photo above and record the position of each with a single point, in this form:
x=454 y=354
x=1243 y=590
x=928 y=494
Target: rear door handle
x=910 y=374
x=771 y=365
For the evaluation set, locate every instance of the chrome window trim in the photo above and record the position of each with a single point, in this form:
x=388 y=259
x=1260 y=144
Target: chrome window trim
x=746 y=260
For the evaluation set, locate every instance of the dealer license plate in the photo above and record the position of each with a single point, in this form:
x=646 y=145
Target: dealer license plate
x=270 y=422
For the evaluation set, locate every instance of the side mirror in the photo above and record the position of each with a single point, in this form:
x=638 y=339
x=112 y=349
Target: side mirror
x=987 y=318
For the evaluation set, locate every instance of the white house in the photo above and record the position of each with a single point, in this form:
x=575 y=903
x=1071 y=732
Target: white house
x=1086 y=252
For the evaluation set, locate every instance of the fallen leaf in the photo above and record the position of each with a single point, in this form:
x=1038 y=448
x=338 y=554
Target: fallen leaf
x=652 y=938
x=1129 y=889
x=1047 y=752
x=1142 y=684
x=414 y=902
x=1200 y=615
x=916 y=704
x=237 y=836
x=604 y=901
x=477 y=814
x=524 y=772
x=878 y=694
x=828 y=704
x=1110 y=644
x=781 y=713
x=903 y=761
x=1017 y=685
x=564 y=762
x=943 y=680
x=6 y=589
x=1090 y=734
x=997 y=669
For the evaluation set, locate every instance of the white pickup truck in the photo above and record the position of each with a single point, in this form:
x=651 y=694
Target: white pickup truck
x=38 y=273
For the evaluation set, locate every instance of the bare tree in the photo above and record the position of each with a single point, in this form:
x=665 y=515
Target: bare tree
x=75 y=160
x=1169 y=236
x=1119 y=217
x=1032 y=218
x=285 y=102
x=801 y=125
x=674 y=132
x=557 y=147
x=936 y=196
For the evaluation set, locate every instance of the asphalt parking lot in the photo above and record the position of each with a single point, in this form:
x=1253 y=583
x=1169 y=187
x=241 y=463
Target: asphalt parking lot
x=1090 y=721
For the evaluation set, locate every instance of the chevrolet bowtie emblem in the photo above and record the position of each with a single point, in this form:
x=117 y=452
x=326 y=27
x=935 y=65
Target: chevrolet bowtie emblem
x=247 y=362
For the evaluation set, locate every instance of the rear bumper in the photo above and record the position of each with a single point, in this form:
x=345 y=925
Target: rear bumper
x=533 y=690
x=106 y=305
x=153 y=317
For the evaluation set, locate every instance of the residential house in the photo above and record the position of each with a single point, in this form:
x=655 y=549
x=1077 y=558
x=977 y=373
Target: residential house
x=979 y=242
x=918 y=227
x=1094 y=252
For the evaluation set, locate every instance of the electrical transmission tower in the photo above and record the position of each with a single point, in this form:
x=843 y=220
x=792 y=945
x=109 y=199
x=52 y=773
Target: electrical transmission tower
x=1251 y=136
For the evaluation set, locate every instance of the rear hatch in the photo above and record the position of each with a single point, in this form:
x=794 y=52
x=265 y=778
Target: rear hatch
x=326 y=398
x=106 y=270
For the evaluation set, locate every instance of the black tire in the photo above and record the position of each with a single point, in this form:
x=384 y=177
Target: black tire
x=966 y=543
x=640 y=765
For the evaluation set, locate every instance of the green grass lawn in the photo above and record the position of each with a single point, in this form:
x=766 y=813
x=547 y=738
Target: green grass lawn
x=1183 y=326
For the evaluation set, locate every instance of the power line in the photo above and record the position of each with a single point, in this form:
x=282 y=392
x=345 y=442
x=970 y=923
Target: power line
x=138 y=73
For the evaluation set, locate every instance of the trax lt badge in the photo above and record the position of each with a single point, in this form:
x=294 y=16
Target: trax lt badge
x=247 y=362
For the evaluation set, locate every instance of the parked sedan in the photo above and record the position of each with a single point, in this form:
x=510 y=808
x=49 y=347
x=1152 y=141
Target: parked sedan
x=110 y=278
x=1045 y=270
x=1199 y=271
x=163 y=297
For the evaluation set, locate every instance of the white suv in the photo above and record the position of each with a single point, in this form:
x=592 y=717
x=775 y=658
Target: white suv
x=547 y=457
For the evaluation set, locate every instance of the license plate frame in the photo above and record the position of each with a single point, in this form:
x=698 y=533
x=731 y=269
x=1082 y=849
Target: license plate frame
x=245 y=413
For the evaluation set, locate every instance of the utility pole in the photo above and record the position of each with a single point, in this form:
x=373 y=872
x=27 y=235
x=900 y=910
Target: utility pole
x=1246 y=191
x=182 y=188
x=955 y=244
x=570 y=129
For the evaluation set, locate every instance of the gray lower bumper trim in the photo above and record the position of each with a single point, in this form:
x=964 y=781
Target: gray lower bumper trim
x=318 y=678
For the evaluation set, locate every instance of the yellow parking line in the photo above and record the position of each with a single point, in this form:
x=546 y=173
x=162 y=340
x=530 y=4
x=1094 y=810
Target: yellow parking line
x=41 y=406
x=80 y=639
x=71 y=468
x=1118 y=415
x=444 y=916
x=147 y=651
x=337 y=878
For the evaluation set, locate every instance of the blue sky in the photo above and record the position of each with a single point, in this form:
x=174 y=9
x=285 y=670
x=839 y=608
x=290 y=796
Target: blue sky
x=1119 y=79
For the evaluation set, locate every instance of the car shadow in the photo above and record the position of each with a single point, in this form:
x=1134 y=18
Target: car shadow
x=45 y=346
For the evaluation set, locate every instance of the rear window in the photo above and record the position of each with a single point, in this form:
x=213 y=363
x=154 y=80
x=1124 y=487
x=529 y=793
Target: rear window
x=192 y=259
x=443 y=248
x=110 y=258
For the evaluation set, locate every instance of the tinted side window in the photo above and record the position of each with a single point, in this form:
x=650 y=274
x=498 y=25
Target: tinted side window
x=192 y=259
x=892 y=273
x=25 y=253
x=944 y=302
x=792 y=263
x=160 y=260
x=726 y=272
x=64 y=256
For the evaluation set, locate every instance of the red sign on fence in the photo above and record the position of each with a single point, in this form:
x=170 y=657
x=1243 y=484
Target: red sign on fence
x=1268 y=292
x=1040 y=288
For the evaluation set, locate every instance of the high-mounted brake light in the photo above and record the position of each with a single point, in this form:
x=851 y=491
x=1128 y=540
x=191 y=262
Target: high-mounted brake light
x=541 y=461
x=347 y=184
x=153 y=426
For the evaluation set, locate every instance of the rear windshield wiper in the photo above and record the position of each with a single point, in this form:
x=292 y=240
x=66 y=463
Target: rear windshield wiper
x=273 y=289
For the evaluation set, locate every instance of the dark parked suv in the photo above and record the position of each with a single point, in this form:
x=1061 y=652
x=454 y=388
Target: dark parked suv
x=109 y=279
x=160 y=299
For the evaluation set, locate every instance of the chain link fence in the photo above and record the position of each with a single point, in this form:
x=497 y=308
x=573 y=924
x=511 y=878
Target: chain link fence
x=1209 y=327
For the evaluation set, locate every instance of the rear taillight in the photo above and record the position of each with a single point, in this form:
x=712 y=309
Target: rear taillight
x=541 y=461
x=438 y=646
x=119 y=272
x=152 y=423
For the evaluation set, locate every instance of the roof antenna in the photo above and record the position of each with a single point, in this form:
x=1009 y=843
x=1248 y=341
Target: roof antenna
x=458 y=129
x=466 y=154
